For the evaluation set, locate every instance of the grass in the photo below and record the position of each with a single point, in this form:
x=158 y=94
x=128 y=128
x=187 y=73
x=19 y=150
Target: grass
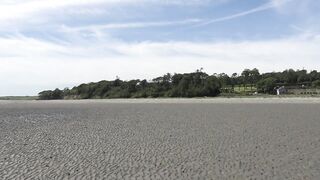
x=241 y=89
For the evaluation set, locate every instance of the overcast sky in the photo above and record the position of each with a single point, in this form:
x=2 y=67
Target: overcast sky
x=46 y=44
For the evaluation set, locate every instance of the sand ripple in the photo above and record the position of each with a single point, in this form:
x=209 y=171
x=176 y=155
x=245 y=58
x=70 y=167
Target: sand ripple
x=64 y=140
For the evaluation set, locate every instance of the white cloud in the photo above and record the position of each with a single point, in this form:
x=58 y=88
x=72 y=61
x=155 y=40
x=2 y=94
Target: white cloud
x=202 y=22
x=36 y=11
x=273 y=4
x=102 y=27
x=17 y=9
x=279 y=3
x=29 y=65
x=297 y=7
x=305 y=13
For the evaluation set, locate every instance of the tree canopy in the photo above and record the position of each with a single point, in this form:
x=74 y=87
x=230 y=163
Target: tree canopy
x=195 y=84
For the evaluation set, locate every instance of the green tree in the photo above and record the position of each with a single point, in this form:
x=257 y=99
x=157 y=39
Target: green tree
x=266 y=85
x=233 y=80
x=254 y=77
x=246 y=77
x=316 y=84
x=290 y=76
x=302 y=76
x=313 y=75
x=48 y=95
x=212 y=86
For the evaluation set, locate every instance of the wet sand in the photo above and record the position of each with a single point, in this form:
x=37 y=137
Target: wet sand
x=161 y=139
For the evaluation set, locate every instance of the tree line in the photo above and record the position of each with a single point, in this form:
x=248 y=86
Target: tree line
x=195 y=84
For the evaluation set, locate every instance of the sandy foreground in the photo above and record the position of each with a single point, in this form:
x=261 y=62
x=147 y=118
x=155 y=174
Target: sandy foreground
x=219 y=138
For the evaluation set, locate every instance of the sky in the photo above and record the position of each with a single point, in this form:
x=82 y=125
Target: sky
x=47 y=44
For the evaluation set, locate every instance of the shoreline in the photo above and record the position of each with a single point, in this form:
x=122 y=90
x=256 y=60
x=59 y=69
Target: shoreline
x=213 y=100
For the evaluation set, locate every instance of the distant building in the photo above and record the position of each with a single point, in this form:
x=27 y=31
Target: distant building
x=281 y=90
x=297 y=90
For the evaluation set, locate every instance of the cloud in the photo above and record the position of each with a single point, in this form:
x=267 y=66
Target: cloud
x=297 y=7
x=21 y=9
x=279 y=3
x=36 y=56
x=102 y=27
x=270 y=5
x=17 y=9
x=30 y=65
x=194 y=22
x=305 y=13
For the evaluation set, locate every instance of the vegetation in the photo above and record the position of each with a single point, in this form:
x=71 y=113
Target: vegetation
x=316 y=83
x=18 y=98
x=48 y=95
x=266 y=85
x=195 y=84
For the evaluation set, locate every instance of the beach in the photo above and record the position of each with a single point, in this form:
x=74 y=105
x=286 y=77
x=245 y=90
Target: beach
x=214 y=138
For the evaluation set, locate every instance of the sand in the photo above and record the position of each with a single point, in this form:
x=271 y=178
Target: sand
x=160 y=139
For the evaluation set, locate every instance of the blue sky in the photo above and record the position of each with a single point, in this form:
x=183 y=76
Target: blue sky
x=61 y=43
